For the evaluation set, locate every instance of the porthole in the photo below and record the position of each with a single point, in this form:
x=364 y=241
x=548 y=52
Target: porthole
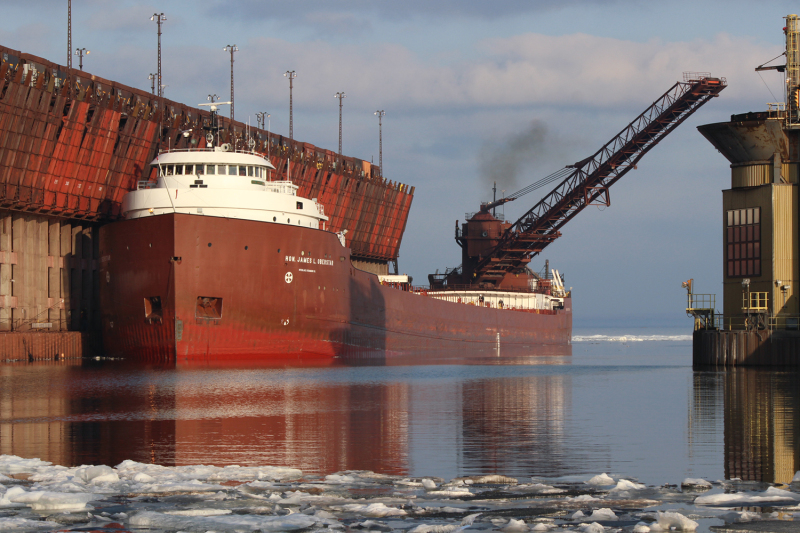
x=302 y=252
x=245 y=247
x=279 y=250
x=150 y=245
x=341 y=258
x=209 y=245
x=288 y=221
x=274 y=219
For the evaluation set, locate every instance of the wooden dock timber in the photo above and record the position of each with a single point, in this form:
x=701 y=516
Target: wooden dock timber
x=746 y=348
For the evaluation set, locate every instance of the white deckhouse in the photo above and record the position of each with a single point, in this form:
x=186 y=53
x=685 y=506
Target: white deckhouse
x=218 y=181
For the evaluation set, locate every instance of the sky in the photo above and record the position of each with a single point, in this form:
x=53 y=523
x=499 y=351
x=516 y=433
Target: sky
x=473 y=92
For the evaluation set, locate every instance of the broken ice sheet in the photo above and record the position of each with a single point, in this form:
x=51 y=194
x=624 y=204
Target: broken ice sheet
x=271 y=499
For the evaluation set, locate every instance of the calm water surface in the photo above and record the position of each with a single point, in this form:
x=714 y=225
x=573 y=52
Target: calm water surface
x=628 y=407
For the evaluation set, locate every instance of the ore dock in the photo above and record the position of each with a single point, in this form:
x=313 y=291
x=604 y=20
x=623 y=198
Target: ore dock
x=73 y=144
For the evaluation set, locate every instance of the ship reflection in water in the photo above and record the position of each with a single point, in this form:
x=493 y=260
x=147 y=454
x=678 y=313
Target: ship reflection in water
x=761 y=421
x=319 y=420
x=552 y=416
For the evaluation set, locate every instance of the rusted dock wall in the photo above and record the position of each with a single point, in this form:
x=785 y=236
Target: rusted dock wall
x=746 y=348
x=72 y=144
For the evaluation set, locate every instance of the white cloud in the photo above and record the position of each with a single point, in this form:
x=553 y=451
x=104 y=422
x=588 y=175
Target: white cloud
x=523 y=70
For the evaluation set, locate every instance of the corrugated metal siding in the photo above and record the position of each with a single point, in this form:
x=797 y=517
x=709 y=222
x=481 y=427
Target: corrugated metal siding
x=789 y=171
x=751 y=175
x=784 y=246
x=760 y=174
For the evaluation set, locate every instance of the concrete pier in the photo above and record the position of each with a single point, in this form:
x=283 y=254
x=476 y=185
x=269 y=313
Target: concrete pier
x=746 y=348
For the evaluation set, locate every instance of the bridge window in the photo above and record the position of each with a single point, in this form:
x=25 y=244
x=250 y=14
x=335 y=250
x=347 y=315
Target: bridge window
x=200 y=169
x=250 y=172
x=189 y=169
x=178 y=170
x=232 y=170
x=211 y=169
x=743 y=242
x=299 y=205
x=242 y=170
x=170 y=170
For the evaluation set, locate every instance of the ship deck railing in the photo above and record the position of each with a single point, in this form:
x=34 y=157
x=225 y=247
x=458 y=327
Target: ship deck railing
x=512 y=300
x=701 y=304
x=756 y=321
x=755 y=302
x=232 y=150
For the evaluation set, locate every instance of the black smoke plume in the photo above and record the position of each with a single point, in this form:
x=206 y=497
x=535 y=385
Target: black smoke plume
x=507 y=161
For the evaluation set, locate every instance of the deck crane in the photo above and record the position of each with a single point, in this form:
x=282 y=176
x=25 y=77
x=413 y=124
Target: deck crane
x=493 y=251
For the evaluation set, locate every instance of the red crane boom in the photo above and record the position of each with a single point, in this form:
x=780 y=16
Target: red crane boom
x=588 y=183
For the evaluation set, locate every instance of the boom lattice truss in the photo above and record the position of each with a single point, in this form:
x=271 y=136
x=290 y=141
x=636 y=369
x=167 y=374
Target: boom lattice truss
x=588 y=182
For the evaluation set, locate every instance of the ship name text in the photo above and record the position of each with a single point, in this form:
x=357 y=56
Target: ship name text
x=309 y=260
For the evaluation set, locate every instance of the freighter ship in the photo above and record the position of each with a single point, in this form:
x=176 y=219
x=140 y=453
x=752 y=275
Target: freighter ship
x=217 y=261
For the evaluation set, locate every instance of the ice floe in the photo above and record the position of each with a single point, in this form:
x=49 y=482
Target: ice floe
x=771 y=495
x=672 y=520
x=39 y=496
x=51 y=501
x=25 y=524
x=695 y=483
x=11 y=464
x=630 y=338
x=594 y=527
x=601 y=479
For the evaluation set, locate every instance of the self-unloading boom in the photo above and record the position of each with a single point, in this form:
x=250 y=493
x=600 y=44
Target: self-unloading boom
x=584 y=183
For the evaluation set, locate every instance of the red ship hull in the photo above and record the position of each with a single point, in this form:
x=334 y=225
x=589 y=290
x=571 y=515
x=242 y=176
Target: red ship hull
x=189 y=288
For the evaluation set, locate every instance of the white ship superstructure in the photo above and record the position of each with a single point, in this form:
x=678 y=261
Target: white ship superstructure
x=218 y=182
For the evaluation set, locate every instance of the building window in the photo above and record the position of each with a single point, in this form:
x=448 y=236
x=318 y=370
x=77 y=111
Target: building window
x=743 y=242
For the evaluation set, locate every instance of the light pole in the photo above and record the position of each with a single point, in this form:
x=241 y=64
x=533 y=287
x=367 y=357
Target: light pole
x=381 y=113
x=746 y=298
x=159 y=18
x=261 y=117
x=152 y=77
x=69 y=34
x=231 y=49
x=340 y=96
x=80 y=53
x=291 y=75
